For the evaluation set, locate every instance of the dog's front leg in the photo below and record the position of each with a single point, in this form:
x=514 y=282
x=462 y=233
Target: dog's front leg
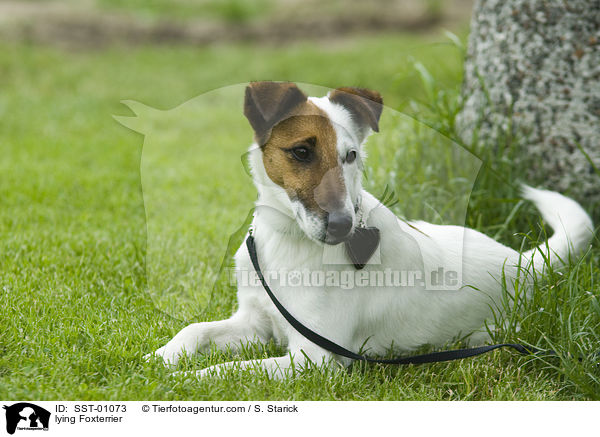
x=278 y=367
x=230 y=333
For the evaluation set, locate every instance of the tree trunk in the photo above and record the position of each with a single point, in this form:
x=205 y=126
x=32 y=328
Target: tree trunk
x=532 y=82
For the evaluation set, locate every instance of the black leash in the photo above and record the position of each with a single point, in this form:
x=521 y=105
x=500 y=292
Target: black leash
x=434 y=357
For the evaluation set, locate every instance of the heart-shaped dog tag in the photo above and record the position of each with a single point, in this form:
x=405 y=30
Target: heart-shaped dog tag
x=362 y=245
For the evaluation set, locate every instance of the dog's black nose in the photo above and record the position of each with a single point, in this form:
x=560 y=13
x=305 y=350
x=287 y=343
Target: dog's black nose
x=339 y=224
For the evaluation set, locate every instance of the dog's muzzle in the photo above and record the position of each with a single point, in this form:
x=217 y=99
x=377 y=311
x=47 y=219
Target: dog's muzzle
x=339 y=227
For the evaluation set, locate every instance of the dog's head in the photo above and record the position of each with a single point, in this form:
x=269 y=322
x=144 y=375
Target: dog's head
x=311 y=151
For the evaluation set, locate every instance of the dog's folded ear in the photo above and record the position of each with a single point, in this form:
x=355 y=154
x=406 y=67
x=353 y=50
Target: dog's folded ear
x=268 y=103
x=365 y=105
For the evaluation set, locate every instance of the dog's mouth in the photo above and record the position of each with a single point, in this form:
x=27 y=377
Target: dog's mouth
x=330 y=228
x=327 y=237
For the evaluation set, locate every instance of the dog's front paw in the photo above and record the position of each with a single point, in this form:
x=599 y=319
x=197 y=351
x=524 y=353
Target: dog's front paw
x=194 y=374
x=170 y=354
x=153 y=355
x=189 y=340
x=212 y=371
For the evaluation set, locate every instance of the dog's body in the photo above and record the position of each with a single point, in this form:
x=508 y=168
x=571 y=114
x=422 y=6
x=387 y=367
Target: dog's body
x=299 y=225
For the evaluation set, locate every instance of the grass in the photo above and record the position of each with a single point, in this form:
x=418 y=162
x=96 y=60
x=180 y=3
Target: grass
x=91 y=280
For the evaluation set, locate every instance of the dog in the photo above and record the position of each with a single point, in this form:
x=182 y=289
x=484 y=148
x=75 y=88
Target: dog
x=306 y=161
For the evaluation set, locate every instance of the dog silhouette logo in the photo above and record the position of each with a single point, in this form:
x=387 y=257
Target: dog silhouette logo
x=26 y=416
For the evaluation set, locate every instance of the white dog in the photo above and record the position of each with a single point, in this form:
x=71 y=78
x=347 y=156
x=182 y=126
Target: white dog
x=306 y=163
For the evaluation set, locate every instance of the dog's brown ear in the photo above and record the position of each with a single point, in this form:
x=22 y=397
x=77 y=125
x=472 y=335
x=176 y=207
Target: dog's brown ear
x=366 y=105
x=268 y=103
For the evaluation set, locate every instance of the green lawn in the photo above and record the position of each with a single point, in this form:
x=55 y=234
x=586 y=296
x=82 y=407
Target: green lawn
x=91 y=280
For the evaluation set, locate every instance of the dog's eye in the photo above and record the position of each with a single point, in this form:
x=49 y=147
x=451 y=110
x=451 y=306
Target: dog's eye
x=351 y=156
x=301 y=153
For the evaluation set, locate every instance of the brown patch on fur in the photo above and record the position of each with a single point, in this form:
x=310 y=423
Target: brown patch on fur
x=366 y=105
x=318 y=184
